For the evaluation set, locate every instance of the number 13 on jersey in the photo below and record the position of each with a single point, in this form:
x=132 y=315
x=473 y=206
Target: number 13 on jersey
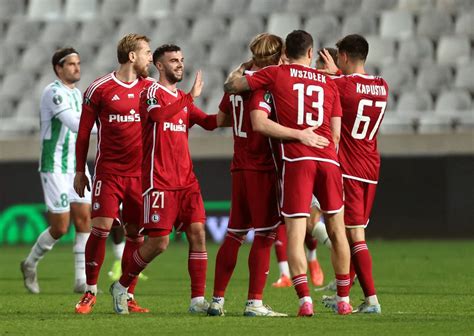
x=306 y=117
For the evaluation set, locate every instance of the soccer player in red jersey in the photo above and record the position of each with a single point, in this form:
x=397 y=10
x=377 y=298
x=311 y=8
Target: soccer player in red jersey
x=304 y=97
x=363 y=99
x=171 y=191
x=112 y=102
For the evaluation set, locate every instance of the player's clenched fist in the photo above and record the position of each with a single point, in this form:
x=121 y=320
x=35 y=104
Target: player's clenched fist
x=197 y=86
x=80 y=183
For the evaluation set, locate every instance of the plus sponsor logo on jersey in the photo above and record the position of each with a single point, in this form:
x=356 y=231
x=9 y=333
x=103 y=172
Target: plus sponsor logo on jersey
x=132 y=117
x=179 y=127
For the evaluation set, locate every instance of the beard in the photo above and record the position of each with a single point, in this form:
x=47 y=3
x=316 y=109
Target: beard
x=73 y=78
x=172 y=77
x=141 y=71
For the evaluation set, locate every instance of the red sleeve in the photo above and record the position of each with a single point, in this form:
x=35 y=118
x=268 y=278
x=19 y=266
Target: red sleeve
x=160 y=113
x=261 y=100
x=206 y=121
x=336 y=109
x=224 y=105
x=263 y=79
x=89 y=115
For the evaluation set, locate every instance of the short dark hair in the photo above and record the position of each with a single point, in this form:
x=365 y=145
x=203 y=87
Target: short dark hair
x=297 y=43
x=355 y=46
x=162 y=49
x=331 y=51
x=60 y=55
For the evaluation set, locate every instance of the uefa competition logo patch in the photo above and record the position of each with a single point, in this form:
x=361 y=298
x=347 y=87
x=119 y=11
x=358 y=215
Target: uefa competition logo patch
x=57 y=99
x=96 y=206
x=155 y=218
x=268 y=97
x=87 y=101
x=151 y=101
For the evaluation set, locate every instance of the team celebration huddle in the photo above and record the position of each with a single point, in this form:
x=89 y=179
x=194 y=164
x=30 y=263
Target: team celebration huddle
x=305 y=169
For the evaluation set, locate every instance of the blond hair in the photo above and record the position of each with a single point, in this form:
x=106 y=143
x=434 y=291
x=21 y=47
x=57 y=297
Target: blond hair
x=127 y=44
x=266 y=49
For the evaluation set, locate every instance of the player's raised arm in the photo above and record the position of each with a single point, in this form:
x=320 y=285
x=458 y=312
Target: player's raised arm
x=236 y=82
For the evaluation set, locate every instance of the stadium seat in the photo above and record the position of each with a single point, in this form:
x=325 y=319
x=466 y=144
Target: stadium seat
x=12 y=8
x=191 y=8
x=359 y=23
x=133 y=24
x=117 y=8
x=282 y=24
x=87 y=54
x=323 y=28
x=28 y=108
x=227 y=53
x=195 y=54
x=95 y=31
x=433 y=24
x=106 y=59
x=8 y=57
x=465 y=77
x=416 y=6
x=36 y=56
x=434 y=78
x=304 y=7
x=81 y=9
x=208 y=29
x=429 y=124
x=47 y=77
x=414 y=102
x=16 y=85
x=453 y=101
x=398 y=24
x=169 y=30
x=399 y=77
x=25 y=120
x=465 y=123
x=453 y=50
x=414 y=50
x=371 y=6
x=454 y=6
x=88 y=76
x=381 y=50
x=464 y=24
x=154 y=8
x=341 y=6
x=59 y=33
x=213 y=101
x=6 y=108
x=229 y=7
x=266 y=7
x=44 y=9
x=394 y=123
x=213 y=78
x=245 y=27
x=22 y=33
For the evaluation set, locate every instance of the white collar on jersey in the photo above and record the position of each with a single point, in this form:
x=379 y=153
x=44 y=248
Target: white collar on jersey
x=167 y=90
x=119 y=82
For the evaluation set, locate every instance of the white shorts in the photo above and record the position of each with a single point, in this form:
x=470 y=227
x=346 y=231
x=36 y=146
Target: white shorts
x=58 y=190
x=315 y=202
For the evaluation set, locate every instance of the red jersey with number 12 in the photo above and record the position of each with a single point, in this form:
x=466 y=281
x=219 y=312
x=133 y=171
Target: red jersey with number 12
x=363 y=100
x=303 y=97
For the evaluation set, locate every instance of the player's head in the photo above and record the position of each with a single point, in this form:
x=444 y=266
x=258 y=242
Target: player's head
x=135 y=50
x=320 y=61
x=67 y=65
x=169 y=60
x=266 y=49
x=352 y=49
x=299 y=46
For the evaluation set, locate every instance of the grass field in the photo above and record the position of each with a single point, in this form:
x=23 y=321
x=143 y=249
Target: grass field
x=425 y=288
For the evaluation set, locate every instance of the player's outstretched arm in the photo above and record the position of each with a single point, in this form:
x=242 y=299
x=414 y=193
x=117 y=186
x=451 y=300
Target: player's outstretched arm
x=262 y=124
x=236 y=82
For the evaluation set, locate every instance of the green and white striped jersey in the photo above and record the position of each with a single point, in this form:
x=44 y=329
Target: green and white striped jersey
x=58 y=142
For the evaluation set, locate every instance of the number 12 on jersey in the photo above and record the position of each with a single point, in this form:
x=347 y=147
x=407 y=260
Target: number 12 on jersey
x=238 y=114
x=362 y=121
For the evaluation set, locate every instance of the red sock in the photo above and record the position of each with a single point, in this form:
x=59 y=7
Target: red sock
x=225 y=262
x=95 y=253
x=280 y=243
x=352 y=272
x=131 y=245
x=363 y=266
x=197 y=267
x=134 y=267
x=300 y=282
x=343 y=282
x=310 y=242
x=259 y=264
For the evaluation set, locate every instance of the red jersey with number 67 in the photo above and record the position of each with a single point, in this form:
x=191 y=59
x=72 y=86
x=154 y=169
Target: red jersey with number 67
x=363 y=100
x=303 y=97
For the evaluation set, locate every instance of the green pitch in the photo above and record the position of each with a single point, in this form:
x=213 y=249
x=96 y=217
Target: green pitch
x=425 y=288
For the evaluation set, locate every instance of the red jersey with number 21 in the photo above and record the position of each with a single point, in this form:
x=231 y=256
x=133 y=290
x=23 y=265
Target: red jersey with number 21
x=363 y=100
x=303 y=97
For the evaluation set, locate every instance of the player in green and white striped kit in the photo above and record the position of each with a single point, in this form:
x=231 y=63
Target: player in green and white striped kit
x=60 y=111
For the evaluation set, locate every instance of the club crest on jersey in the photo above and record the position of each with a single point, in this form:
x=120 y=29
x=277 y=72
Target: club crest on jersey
x=155 y=218
x=151 y=101
x=57 y=99
x=87 y=101
x=132 y=117
x=179 y=127
x=267 y=97
x=96 y=206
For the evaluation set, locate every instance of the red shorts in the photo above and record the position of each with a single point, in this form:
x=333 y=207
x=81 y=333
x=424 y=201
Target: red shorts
x=165 y=209
x=254 y=201
x=359 y=198
x=109 y=191
x=302 y=179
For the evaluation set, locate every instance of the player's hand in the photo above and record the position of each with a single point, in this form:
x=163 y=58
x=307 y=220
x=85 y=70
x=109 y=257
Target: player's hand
x=197 y=86
x=311 y=139
x=80 y=183
x=330 y=65
x=246 y=65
